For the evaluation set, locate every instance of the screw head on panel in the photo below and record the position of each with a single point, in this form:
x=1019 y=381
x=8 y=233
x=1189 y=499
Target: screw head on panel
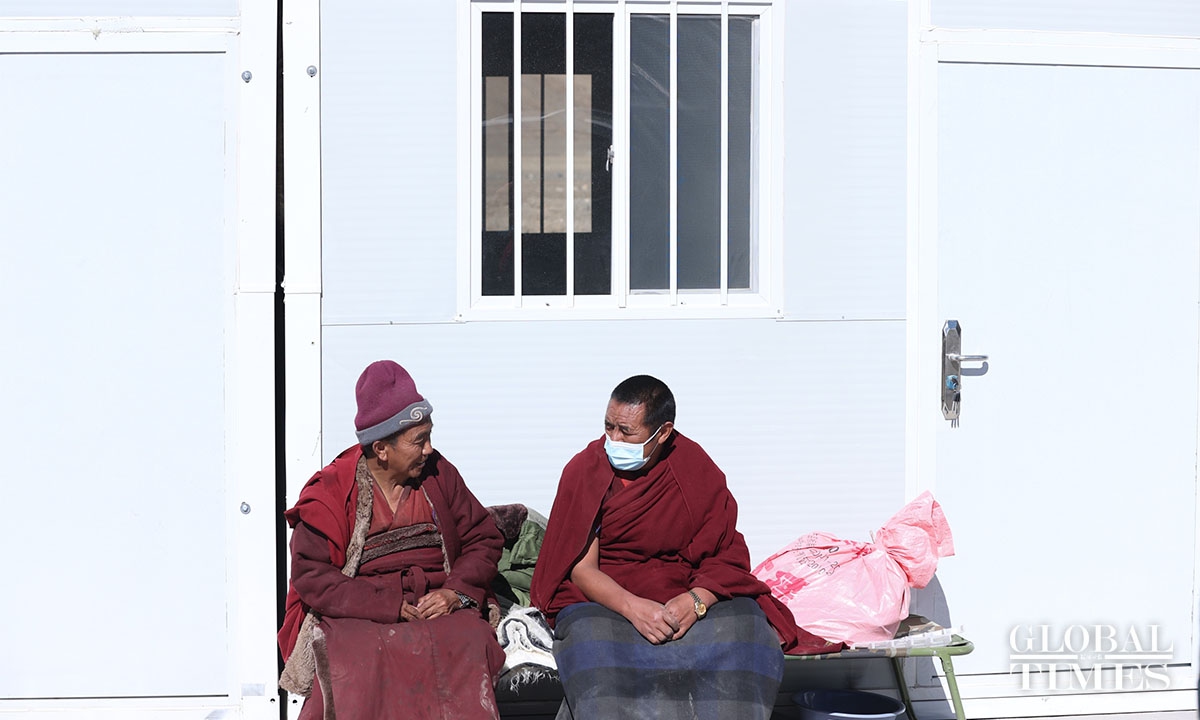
x=246 y=75
x=312 y=70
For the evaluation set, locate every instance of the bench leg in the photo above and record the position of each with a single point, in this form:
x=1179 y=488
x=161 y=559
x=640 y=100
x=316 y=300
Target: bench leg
x=952 y=683
x=898 y=669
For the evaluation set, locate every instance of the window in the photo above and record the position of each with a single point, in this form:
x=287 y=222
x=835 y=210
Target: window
x=620 y=158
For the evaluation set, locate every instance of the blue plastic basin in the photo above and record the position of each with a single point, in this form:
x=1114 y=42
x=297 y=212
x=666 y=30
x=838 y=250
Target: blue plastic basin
x=846 y=704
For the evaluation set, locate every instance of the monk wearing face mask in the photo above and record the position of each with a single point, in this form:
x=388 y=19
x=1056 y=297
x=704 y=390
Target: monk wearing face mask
x=647 y=579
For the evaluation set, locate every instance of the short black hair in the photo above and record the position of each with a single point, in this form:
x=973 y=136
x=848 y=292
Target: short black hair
x=652 y=394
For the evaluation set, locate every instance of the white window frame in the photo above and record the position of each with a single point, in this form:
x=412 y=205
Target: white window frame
x=765 y=300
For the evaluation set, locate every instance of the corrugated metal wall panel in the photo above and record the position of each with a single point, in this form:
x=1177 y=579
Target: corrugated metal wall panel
x=844 y=178
x=806 y=419
x=388 y=154
x=1137 y=17
x=389 y=176
x=118 y=8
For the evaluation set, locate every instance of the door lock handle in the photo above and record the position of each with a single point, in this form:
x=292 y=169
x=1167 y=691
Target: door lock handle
x=952 y=370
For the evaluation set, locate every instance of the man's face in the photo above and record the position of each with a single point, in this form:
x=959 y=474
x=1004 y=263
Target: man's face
x=625 y=423
x=412 y=447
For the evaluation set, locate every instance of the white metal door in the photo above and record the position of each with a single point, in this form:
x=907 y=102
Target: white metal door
x=1061 y=229
x=137 y=304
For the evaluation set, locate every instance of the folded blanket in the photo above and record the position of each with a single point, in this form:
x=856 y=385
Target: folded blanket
x=728 y=665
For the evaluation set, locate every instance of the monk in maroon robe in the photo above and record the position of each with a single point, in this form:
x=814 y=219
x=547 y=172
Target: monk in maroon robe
x=392 y=558
x=648 y=580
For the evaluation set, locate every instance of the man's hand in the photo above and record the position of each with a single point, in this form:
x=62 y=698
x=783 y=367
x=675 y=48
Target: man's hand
x=682 y=610
x=436 y=603
x=651 y=620
x=408 y=612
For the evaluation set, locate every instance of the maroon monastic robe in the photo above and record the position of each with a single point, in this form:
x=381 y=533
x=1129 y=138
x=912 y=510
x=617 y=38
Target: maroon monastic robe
x=376 y=665
x=672 y=529
x=473 y=543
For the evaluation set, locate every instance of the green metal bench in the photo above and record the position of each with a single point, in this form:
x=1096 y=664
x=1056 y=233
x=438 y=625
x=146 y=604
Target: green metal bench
x=944 y=653
x=540 y=700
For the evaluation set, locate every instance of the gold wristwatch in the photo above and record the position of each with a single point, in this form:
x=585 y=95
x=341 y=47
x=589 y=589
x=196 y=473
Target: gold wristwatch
x=700 y=608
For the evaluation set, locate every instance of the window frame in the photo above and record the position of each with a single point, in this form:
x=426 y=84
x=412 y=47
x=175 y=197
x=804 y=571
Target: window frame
x=763 y=301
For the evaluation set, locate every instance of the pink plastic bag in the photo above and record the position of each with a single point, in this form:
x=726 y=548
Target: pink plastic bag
x=852 y=592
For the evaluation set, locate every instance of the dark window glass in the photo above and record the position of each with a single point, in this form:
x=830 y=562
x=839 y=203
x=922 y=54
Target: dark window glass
x=593 y=137
x=742 y=157
x=543 y=162
x=698 y=163
x=543 y=154
x=497 y=241
x=544 y=143
x=649 y=152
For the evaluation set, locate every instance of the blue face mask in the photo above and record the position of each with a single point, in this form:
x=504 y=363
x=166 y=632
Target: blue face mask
x=627 y=456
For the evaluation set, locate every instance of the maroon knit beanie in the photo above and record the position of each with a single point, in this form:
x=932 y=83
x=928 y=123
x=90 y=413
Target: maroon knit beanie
x=388 y=402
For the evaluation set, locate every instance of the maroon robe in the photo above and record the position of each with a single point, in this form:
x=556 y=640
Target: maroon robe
x=669 y=530
x=326 y=504
x=382 y=667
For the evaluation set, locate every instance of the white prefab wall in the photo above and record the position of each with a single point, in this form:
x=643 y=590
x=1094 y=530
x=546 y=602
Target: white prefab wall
x=806 y=412
x=805 y=417
x=844 y=169
x=113 y=8
x=388 y=161
x=1134 y=17
x=389 y=153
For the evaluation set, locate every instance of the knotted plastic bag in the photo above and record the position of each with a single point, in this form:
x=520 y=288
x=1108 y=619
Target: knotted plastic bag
x=853 y=592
